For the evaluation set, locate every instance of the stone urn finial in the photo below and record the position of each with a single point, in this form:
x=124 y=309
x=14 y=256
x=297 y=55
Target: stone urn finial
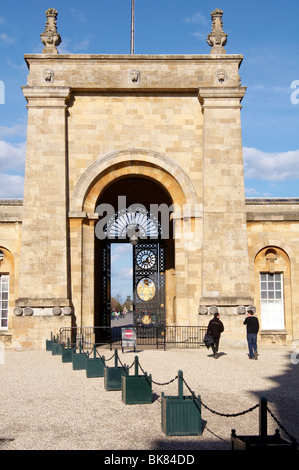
x=50 y=38
x=217 y=38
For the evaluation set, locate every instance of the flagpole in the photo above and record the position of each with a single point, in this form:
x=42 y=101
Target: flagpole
x=133 y=27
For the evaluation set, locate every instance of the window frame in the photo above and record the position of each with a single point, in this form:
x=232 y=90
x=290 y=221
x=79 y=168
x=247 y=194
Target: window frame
x=3 y=318
x=272 y=299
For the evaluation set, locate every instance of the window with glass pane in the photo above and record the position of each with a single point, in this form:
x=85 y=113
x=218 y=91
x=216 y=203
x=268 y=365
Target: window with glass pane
x=272 y=309
x=4 y=292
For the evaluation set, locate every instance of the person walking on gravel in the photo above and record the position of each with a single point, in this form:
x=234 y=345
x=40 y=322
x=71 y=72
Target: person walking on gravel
x=215 y=328
x=252 y=328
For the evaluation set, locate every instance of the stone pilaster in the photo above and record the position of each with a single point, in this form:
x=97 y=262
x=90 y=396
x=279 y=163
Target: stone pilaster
x=225 y=273
x=43 y=283
x=82 y=253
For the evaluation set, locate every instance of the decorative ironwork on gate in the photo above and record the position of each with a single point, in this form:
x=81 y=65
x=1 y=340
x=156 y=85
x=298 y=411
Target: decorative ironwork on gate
x=135 y=219
x=143 y=229
x=149 y=285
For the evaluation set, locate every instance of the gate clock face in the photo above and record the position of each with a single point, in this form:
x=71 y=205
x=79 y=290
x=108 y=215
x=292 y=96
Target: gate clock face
x=146 y=259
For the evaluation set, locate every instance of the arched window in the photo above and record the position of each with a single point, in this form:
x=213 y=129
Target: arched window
x=272 y=305
x=4 y=294
x=272 y=267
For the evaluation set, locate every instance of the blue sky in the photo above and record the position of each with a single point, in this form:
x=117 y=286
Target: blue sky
x=265 y=32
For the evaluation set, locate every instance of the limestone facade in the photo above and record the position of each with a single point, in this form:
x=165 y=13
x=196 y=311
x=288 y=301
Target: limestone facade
x=174 y=121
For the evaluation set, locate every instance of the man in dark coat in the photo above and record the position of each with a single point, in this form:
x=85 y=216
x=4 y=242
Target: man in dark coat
x=252 y=328
x=215 y=328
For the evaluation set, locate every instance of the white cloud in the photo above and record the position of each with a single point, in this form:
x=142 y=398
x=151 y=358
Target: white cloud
x=122 y=274
x=120 y=251
x=198 y=18
x=6 y=39
x=121 y=270
x=81 y=46
x=12 y=157
x=270 y=166
x=202 y=21
x=78 y=14
x=11 y=186
x=12 y=166
x=21 y=66
x=16 y=130
x=251 y=192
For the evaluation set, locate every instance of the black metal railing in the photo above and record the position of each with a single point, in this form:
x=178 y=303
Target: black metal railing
x=158 y=337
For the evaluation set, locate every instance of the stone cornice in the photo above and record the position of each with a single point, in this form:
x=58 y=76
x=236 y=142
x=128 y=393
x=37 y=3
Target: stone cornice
x=127 y=73
x=274 y=200
x=11 y=202
x=133 y=58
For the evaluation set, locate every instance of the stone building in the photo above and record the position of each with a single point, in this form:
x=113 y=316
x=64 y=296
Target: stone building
x=144 y=149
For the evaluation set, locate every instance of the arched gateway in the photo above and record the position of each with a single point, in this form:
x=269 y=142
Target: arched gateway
x=125 y=195
x=140 y=149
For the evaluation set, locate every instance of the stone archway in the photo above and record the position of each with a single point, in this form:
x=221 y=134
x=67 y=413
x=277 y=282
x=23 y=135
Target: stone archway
x=168 y=178
x=135 y=161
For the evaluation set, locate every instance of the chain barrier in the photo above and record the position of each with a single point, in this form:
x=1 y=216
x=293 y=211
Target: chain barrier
x=231 y=415
x=106 y=360
x=227 y=415
x=281 y=426
x=196 y=399
x=157 y=383
x=126 y=368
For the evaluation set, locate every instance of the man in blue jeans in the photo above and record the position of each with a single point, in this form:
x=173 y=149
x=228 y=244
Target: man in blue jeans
x=252 y=326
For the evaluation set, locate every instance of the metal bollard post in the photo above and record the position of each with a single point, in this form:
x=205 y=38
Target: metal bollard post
x=263 y=417
x=180 y=384
x=136 y=366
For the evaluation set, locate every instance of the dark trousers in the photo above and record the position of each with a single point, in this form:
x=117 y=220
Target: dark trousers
x=252 y=344
x=215 y=345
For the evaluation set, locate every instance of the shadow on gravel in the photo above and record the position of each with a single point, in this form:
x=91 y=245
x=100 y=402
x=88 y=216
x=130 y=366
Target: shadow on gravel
x=283 y=399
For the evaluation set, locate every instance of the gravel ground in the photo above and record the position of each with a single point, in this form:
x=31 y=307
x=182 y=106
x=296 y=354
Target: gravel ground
x=46 y=405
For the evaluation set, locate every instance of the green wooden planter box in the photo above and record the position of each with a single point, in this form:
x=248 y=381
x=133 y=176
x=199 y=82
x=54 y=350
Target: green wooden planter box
x=67 y=353
x=56 y=349
x=95 y=366
x=79 y=359
x=49 y=342
x=136 y=389
x=113 y=375
x=181 y=415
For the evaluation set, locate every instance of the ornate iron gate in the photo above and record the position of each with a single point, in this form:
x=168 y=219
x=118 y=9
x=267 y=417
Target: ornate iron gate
x=149 y=285
x=143 y=230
